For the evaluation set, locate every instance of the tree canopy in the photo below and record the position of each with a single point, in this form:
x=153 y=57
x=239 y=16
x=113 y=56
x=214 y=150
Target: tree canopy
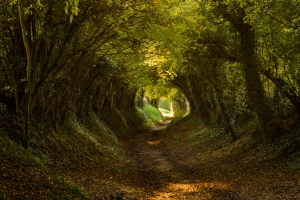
x=234 y=60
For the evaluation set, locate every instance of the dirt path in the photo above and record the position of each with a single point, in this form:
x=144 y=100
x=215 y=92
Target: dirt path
x=158 y=169
x=160 y=176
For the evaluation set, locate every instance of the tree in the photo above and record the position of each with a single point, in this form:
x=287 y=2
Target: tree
x=28 y=73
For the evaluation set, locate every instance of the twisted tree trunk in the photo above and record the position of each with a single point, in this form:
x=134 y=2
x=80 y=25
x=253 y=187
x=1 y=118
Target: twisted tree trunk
x=251 y=67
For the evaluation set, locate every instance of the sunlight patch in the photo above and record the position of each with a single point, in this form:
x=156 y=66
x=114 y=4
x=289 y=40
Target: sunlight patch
x=184 y=187
x=166 y=113
x=197 y=186
x=154 y=143
x=189 y=191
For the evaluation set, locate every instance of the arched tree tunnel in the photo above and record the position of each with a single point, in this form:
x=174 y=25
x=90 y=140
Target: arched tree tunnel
x=227 y=70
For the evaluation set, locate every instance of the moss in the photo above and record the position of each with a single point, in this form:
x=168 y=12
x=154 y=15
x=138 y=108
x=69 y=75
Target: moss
x=153 y=113
x=24 y=170
x=147 y=121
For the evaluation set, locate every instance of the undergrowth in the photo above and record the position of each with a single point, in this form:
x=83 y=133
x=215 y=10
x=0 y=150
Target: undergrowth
x=124 y=122
x=151 y=115
x=286 y=148
x=25 y=176
x=60 y=156
x=147 y=122
x=192 y=132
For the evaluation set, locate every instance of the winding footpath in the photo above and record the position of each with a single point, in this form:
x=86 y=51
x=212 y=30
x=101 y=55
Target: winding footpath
x=160 y=176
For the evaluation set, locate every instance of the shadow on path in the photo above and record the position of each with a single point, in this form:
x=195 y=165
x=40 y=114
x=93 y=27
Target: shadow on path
x=162 y=177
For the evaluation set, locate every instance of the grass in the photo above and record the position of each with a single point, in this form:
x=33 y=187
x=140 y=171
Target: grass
x=191 y=132
x=284 y=147
x=293 y=162
x=16 y=154
x=147 y=121
x=25 y=176
x=89 y=148
x=151 y=115
x=80 y=148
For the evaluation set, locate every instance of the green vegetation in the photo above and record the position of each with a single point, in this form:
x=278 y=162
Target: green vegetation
x=153 y=113
x=28 y=171
x=164 y=105
x=165 y=112
x=78 y=76
x=147 y=120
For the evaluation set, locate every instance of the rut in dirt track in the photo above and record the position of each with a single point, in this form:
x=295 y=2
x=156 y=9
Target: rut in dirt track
x=161 y=176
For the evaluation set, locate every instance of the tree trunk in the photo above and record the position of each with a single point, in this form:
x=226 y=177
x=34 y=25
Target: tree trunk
x=28 y=74
x=202 y=107
x=255 y=90
x=154 y=102
x=225 y=115
x=288 y=92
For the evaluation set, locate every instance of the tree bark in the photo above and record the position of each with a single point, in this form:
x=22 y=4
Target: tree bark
x=28 y=73
x=255 y=90
x=288 y=92
x=254 y=84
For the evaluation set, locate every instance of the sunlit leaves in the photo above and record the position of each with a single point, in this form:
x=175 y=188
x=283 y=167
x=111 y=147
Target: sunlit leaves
x=161 y=90
x=109 y=2
x=72 y=8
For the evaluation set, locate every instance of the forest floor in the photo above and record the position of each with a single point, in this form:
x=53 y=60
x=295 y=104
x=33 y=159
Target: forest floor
x=155 y=166
x=160 y=170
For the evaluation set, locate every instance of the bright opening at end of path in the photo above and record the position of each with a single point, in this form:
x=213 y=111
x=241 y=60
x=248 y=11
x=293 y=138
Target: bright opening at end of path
x=166 y=113
x=166 y=107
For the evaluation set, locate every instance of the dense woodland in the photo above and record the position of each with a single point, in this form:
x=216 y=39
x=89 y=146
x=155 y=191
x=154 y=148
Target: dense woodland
x=234 y=61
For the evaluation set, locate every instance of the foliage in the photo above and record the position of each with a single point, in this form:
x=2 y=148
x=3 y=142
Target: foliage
x=234 y=69
x=154 y=114
x=35 y=175
x=165 y=112
x=147 y=121
x=287 y=145
x=74 y=62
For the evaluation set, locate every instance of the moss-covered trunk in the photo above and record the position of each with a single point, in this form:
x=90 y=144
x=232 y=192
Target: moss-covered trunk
x=250 y=62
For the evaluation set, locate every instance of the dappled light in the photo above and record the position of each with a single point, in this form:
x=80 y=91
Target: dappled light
x=150 y=99
x=196 y=187
x=154 y=142
x=189 y=190
x=167 y=98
